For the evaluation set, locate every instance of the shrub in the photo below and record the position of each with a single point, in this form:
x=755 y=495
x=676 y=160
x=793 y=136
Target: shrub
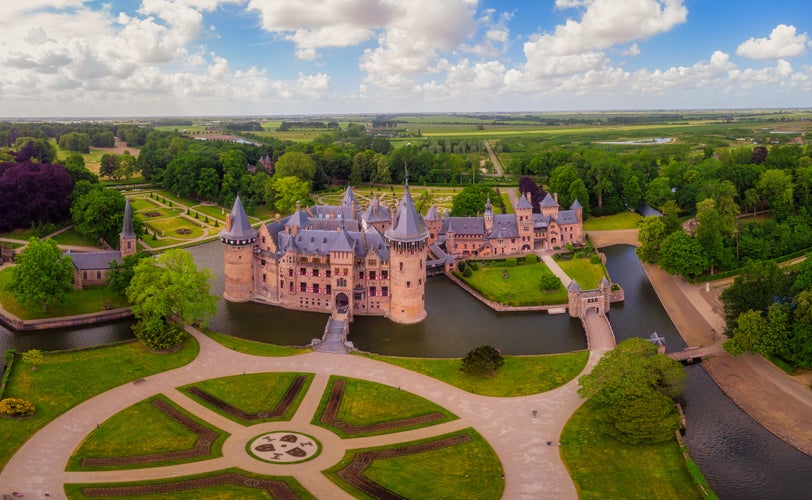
x=467 y=272
x=216 y=223
x=16 y=407
x=531 y=258
x=461 y=266
x=473 y=265
x=549 y=282
x=510 y=262
x=580 y=254
x=33 y=357
x=158 y=335
x=595 y=259
x=482 y=361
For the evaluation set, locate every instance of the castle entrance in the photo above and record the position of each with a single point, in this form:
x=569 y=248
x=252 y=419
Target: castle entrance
x=342 y=301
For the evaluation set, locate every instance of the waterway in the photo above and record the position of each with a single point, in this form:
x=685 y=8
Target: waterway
x=740 y=459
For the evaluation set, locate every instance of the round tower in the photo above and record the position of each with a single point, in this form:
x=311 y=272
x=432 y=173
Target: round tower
x=408 y=247
x=239 y=238
x=127 y=241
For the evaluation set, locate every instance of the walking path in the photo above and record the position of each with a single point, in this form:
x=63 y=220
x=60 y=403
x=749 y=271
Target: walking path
x=532 y=468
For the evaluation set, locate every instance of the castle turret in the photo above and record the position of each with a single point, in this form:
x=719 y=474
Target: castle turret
x=579 y=210
x=127 y=239
x=488 y=215
x=239 y=238
x=408 y=243
x=549 y=205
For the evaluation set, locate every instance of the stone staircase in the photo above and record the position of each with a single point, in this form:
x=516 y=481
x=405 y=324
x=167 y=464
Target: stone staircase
x=334 y=339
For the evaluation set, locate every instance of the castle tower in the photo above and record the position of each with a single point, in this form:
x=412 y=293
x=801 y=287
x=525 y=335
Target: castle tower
x=239 y=238
x=579 y=210
x=433 y=224
x=488 y=216
x=127 y=239
x=408 y=244
x=524 y=220
x=549 y=206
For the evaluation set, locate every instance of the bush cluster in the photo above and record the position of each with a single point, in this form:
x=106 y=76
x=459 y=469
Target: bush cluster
x=158 y=335
x=14 y=407
x=511 y=262
x=531 y=258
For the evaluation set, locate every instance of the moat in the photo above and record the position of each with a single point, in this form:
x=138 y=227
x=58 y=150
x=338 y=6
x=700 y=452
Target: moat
x=739 y=457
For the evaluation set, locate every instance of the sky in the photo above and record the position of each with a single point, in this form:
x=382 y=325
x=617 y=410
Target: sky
x=120 y=58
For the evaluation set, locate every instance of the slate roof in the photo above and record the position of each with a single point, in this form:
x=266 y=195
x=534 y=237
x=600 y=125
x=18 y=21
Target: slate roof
x=349 y=197
x=604 y=283
x=523 y=203
x=93 y=260
x=575 y=205
x=343 y=243
x=127 y=229
x=240 y=228
x=488 y=207
x=567 y=217
x=408 y=224
x=573 y=286
x=313 y=241
x=298 y=219
x=540 y=220
x=334 y=224
x=375 y=242
x=432 y=214
x=331 y=212
x=376 y=212
x=466 y=225
x=549 y=201
x=504 y=226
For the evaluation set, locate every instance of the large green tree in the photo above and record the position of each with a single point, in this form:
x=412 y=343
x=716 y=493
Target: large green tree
x=651 y=234
x=171 y=287
x=43 y=274
x=99 y=214
x=759 y=284
x=282 y=193
x=296 y=164
x=633 y=386
x=681 y=254
x=471 y=200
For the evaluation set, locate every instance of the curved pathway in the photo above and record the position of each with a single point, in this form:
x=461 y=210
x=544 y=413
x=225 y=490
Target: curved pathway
x=532 y=469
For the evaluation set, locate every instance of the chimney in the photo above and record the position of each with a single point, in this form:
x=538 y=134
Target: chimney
x=278 y=218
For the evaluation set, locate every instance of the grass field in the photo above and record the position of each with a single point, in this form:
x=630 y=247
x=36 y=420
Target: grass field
x=91 y=372
x=73 y=238
x=520 y=375
x=253 y=347
x=520 y=288
x=623 y=220
x=584 y=272
x=91 y=299
x=604 y=468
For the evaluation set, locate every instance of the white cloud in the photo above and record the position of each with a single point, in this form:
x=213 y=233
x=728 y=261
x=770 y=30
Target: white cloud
x=782 y=42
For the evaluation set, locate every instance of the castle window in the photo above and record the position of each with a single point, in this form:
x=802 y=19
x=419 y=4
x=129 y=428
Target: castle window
x=303 y=287
x=401 y=266
x=98 y=275
x=84 y=275
x=384 y=274
x=329 y=290
x=384 y=291
x=421 y=263
x=290 y=287
x=420 y=281
x=341 y=282
x=328 y=273
x=372 y=262
x=372 y=291
x=264 y=278
x=315 y=272
x=315 y=288
x=302 y=271
x=303 y=259
x=360 y=275
x=372 y=275
x=290 y=272
x=408 y=284
x=346 y=271
x=262 y=261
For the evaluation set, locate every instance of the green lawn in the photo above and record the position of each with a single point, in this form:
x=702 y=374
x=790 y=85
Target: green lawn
x=143 y=204
x=141 y=429
x=223 y=492
x=604 y=468
x=520 y=376
x=366 y=403
x=508 y=204
x=623 y=220
x=73 y=238
x=469 y=470
x=587 y=274
x=168 y=231
x=251 y=393
x=520 y=288
x=213 y=211
x=254 y=347
x=91 y=299
x=66 y=379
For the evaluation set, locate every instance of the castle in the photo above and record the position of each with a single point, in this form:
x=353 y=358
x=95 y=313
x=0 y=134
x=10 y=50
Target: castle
x=373 y=262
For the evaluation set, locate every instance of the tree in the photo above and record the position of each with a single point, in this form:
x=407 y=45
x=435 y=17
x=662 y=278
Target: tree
x=681 y=254
x=33 y=192
x=549 y=281
x=170 y=287
x=632 y=191
x=471 y=200
x=75 y=141
x=632 y=386
x=99 y=214
x=109 y=164
x=776 y=187
x=295 y=164
x=709 y=231
x=208 y=184
x=282 y=193
x=43 y=274
x=578 y=191
x=758 y=285
x=121 y=273
x=482 y=361
x=380 y=170
x=651 y=236
x=659 y=191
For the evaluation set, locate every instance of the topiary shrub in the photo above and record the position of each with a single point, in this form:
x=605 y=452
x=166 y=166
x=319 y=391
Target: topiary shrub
x=531 y=258
x=159 y=335
x=473 y=265
x=482 y=361
x=13 y=407
x=549 y=282
x=467 y=272
x=461 y=266
x=595 y=259
x=511 y=262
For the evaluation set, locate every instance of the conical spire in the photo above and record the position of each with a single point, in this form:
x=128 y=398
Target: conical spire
x=408 y=224
x=238 y=230
x=127 y=228
x=488 y=207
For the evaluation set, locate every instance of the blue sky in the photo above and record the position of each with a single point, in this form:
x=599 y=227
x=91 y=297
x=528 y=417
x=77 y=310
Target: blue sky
x=271 y=57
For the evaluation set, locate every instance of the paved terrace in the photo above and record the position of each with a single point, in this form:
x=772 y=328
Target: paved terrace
x=532 y=469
